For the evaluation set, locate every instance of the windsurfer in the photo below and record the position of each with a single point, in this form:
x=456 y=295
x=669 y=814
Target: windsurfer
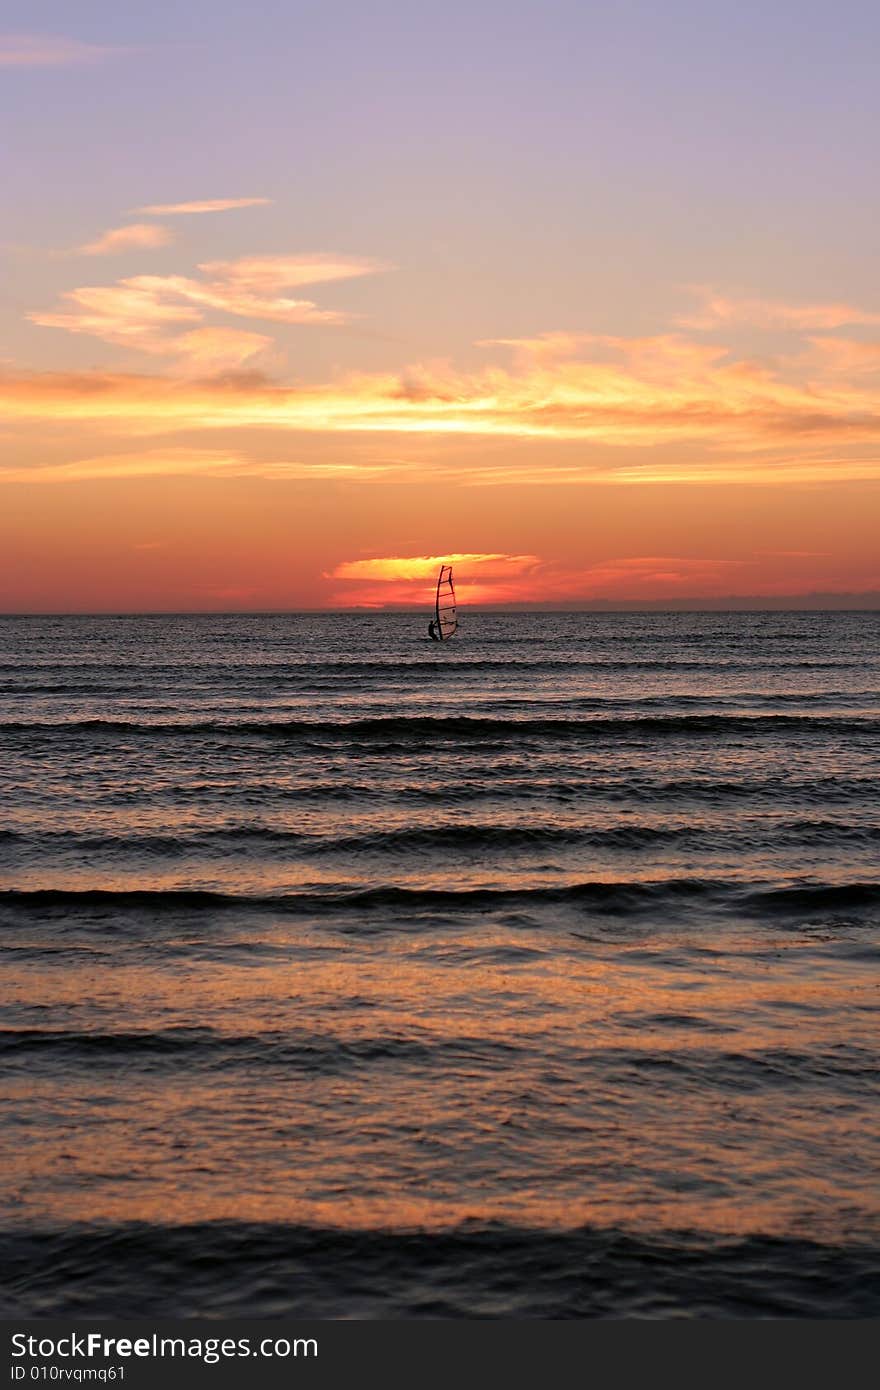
x=444 y=623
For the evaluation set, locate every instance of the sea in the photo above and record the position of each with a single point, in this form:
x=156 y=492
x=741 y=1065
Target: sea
x=531 y=974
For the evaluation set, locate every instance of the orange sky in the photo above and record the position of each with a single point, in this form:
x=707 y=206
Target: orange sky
x=569 y=469
x=205 y=403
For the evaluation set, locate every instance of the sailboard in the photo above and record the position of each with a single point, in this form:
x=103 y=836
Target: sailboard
x=445 y=623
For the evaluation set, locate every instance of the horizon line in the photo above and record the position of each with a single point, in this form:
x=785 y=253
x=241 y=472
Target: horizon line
x=610 y=606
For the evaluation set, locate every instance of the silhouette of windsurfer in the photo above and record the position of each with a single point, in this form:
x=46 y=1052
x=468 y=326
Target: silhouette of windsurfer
x=432 y=632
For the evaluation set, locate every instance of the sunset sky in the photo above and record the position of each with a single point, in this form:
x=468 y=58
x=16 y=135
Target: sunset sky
x=300 y=298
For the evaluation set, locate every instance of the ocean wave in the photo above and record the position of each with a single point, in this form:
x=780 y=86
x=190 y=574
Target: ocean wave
x=626 y=897
x=505 y=786
x=814 y=897
x=203 y=1046
x=462 y=660
x=849 y=1067
x=437 y=838
x=461 y=727
x=474 y=1269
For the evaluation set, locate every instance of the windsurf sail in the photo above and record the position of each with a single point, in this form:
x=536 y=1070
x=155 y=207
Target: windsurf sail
x=445 y=617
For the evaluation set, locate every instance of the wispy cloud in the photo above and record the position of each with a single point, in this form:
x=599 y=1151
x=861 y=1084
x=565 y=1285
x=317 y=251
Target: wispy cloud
x=720 y=310
x=254 y=286
x=208 y=351
x=205 y=205
x=48 y=51
x=134 y=236
x=392 y=568
x=147 y=311
x=184 y=461
x=129 y=313
x=645 y=393
x=796 y=554
x=669 y=407
x=391 y=580
x=146 y=463
x=501 y=578
x=131 y=318
x=846 y=355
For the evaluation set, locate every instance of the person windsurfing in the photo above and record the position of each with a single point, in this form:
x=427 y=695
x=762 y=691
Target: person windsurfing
x=444 y=623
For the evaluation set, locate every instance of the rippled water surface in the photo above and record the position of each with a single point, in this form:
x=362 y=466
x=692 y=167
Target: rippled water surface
x=533 y=974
